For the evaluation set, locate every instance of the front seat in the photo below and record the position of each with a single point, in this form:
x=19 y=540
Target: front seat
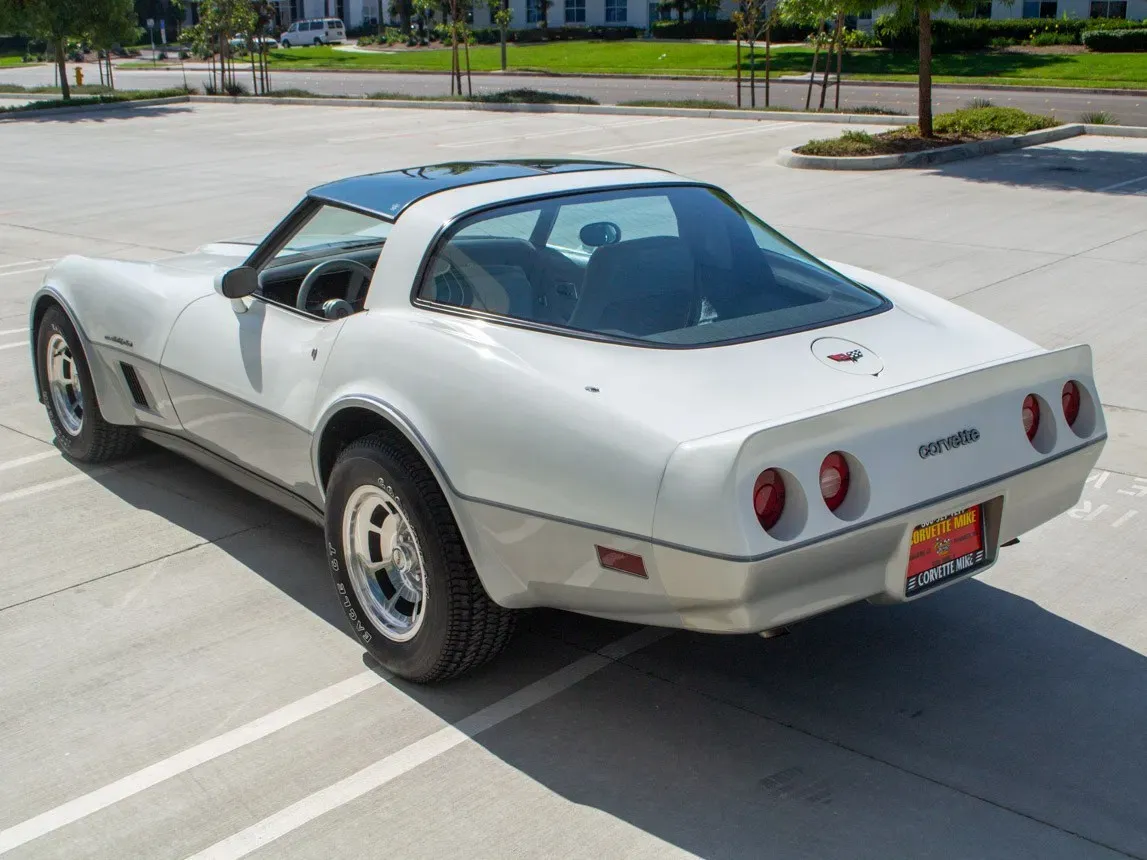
x=638 y=287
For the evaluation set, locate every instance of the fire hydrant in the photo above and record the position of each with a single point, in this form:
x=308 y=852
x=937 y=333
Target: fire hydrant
x=79 y=77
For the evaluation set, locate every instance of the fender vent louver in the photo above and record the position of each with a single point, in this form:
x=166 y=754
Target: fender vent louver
x=134 y=385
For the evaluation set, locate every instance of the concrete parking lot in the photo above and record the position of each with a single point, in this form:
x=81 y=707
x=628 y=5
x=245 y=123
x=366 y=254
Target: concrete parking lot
x=178 y=682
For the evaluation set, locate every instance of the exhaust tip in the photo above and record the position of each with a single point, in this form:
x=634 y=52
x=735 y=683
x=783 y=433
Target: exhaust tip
x=775 y=632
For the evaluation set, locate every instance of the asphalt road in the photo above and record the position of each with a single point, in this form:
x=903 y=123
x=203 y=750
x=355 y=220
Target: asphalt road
x=178 y=680
x=1127 y=109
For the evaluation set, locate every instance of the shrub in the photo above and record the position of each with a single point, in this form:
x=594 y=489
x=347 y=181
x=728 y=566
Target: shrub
x=363 y=41
x=393 y=36
x=161 y=55
x=860 y=39
x=185 y=55
x=1116 y=40
x=1049 y=37
x=1097 y=117
x=235 y=88
x=975 y=34
x=1002 y=42
x=876 y=110
x=849 y=143
x=972 y=122
x=533 y=97
x=978 y=102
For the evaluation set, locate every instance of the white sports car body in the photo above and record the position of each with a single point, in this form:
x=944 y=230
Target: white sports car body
x=621 y=393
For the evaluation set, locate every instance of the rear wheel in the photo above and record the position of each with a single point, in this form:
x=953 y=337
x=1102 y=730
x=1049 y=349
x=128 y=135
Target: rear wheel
x=401 y=570
x=70 y=395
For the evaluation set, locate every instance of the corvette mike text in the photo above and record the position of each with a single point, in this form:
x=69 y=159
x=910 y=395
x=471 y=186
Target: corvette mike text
x=583 y=385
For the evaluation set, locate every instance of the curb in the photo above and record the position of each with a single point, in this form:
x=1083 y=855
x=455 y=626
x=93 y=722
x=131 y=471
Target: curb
x=614 y=110
x=729 y=79
x=18 y=115
x=1115 y=130
x=788 y=158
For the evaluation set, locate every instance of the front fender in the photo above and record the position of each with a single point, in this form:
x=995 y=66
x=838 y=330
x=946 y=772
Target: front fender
x=112 y=400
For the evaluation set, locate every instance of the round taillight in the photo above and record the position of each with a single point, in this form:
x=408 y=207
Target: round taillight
x=834 y=480
x=769 y=498
x=1071 y=400
x=1031 y=416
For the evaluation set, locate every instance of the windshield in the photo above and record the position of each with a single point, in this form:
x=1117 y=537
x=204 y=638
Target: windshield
x=666 y=265
x=332 y=228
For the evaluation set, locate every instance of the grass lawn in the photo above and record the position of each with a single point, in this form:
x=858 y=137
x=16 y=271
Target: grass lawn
x=640 y=57
x=12 y=60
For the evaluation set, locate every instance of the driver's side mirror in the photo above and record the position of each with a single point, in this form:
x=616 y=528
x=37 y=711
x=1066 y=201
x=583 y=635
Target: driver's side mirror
x=237 y=283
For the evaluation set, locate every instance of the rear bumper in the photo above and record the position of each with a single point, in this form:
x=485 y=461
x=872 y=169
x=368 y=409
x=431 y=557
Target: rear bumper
x=525 y=560
x=868 y=563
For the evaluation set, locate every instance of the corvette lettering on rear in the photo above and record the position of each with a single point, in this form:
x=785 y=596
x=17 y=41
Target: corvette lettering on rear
x=964 y=437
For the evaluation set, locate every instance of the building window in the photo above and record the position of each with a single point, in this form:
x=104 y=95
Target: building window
x=616 y=11
x=1040 y=8
x=532 y=11
x=1106 y=9
x=980 y=10
x=575 y=11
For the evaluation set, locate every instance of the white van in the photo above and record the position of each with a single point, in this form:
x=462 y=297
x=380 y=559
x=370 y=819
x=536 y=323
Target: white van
x=316 y=31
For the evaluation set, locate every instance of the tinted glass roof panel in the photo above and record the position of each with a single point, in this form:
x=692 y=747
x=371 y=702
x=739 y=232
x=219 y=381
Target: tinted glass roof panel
x=388 y=194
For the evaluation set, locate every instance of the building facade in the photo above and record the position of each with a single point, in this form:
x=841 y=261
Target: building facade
x=643 y=13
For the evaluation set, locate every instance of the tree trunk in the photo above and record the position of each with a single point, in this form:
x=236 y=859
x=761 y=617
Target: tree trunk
x=836 y=34
x=111 y=78
x=469 y=81
x=502 y=27
x=680 y=11
x=738 y=70
x=839 y=63
x=924 y=107
x=768 y=56
x=62 y=65
x=815 y=57
x=752 y=74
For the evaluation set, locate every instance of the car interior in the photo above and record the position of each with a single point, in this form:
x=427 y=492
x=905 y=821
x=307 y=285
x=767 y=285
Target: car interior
x=326 y=283
x=696 y=263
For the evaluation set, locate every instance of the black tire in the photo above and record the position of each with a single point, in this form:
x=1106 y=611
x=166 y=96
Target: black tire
x=286 y=44
x=462 y=627
x=97 y=441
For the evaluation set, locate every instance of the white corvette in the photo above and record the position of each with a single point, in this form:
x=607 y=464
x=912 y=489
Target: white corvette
x=579 y=385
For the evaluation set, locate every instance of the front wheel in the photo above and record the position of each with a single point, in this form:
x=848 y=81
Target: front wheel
x=70 y=395
x=401 y=569
x=286 y=44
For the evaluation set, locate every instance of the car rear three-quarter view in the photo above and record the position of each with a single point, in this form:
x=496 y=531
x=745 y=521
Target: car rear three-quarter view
x=597 y=388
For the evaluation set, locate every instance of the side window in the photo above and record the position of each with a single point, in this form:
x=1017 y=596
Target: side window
x=637 y=217
x=486 y=265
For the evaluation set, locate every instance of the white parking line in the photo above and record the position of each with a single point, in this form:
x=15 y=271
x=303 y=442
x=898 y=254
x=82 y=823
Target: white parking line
x=48 y=486
x=379 y=135
x=121 y=789
x=674 y=141
x=1122 y=184
x=31 y=458
x=24 y=271
x=408 y=758
x=23 y=343
x=565 y=131
x=21 y=263
x=14 y=331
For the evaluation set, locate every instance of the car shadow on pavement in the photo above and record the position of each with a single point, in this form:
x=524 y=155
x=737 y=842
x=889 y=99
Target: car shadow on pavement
x=1101 y=171
x=971 y=724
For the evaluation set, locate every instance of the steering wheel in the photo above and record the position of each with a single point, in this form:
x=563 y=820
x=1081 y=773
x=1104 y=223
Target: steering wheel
x=342 y=264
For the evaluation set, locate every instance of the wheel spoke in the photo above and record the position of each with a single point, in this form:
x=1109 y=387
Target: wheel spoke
x=384 y=562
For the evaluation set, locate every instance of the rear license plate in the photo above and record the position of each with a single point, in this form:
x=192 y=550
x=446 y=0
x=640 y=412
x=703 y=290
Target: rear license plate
x=945 y=549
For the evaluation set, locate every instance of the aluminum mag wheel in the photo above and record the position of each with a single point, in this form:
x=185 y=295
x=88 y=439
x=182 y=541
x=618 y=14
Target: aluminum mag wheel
x=385 y=563
x=64 y=385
